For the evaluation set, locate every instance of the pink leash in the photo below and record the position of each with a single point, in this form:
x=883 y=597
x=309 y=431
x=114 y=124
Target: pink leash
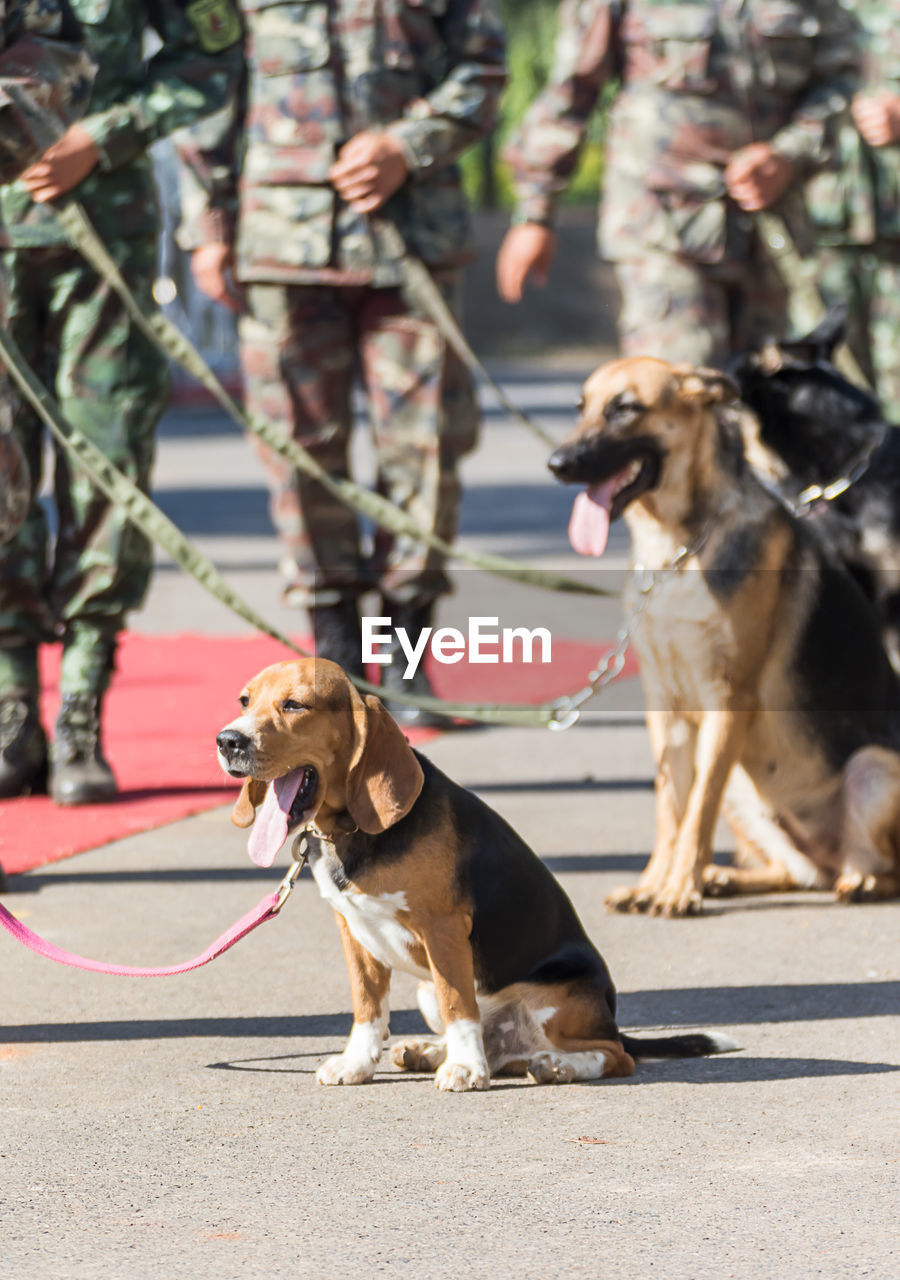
x=267 y=909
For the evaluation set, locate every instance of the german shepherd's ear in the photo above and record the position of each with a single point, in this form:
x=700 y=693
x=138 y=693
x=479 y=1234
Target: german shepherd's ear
x=253 y=793
x=702 y=386
x=384 y=778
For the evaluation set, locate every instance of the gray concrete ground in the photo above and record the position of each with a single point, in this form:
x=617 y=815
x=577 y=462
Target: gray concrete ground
x=174 y=1128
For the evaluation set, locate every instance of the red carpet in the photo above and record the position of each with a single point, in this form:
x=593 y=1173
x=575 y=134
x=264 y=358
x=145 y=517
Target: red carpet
x=170 y=697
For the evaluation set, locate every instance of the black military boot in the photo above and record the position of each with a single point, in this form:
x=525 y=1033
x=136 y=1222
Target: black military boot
x=337 y=635
x=413 y=618
x=79 y=772
x=23 y=745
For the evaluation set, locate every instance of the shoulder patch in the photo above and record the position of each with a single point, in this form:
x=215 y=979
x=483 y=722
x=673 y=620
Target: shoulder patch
x=216 y=23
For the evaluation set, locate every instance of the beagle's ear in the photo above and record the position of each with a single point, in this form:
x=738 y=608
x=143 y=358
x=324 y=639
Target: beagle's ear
x=252 y=795
x=702 y=386
x=384 y=778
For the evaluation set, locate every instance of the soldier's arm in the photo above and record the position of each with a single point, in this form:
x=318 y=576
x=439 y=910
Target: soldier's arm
x=809 y=136
x=210 y=161
x=877 y=117
x=210 y=155
x=45 y=80
x=544 y=151
x=460 y=110
x=191 y=76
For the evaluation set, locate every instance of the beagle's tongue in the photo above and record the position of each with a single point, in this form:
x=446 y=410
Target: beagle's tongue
x=589 y=524
x=271 y=826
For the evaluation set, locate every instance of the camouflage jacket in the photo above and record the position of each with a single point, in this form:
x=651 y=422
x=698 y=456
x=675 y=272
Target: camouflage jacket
x=856 y=199
x=45 y=79
x=696 y=81
x=429 y=71
x=134 y=102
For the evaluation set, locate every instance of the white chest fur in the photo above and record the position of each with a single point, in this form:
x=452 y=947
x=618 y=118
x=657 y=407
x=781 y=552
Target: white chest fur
x=371 y=918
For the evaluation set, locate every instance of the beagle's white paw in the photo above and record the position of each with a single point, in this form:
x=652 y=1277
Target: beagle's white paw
x=345 y=1069
x=460 y=1077
x=466 y=1066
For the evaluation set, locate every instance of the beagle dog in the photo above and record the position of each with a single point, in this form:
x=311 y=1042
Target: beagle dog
x=425 y=878
x=761 y=658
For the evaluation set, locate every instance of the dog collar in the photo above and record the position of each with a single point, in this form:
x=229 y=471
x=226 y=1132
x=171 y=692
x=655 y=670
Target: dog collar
x=815 y=493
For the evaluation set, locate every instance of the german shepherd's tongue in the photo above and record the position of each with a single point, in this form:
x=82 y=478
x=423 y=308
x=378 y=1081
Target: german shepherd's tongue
x=271 y=826
x=589 y=524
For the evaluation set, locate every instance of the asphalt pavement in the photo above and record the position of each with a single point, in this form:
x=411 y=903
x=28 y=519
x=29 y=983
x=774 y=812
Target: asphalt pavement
x=173 y=1128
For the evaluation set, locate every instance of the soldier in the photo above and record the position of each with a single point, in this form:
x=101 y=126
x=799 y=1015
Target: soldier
x=722 y=107
x=44 y=87
x=351 y=115
x=110 y=381
x=45 y=77
x=855 y=204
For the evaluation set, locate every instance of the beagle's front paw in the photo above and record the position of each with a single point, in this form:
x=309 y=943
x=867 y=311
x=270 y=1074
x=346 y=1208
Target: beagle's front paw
x=343 y=1068
x=466 y=1066
x=460 y=1077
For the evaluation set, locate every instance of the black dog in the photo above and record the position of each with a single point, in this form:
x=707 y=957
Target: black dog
x=815 y=428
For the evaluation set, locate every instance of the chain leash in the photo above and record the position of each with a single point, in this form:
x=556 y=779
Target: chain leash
x=567 y=710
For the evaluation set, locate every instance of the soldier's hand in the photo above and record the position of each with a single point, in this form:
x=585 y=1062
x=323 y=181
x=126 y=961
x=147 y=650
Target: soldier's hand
x=756 y=176
x=527 y=250
x=877 y=117
x=62 y=166
x=211 y=267
x=368 y=170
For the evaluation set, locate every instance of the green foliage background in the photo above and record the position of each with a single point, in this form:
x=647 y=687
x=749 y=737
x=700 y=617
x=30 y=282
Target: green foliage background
x=530 y=31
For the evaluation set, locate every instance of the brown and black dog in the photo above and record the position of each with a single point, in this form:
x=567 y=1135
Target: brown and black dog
x=759 y=654
x=425 y=878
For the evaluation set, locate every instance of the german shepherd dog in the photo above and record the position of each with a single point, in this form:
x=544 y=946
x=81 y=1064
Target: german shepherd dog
x=814 y=427
x=759 y=653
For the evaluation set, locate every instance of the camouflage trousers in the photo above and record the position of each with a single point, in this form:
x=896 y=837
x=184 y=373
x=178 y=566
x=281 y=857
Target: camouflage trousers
x=867 y=279
x=680 y=310
x=302 y=348
x=111 y=384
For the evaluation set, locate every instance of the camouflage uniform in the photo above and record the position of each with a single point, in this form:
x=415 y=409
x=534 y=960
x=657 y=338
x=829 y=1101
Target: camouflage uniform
x=323 y=303
x=43 y=73
x=699 y=81
x=110 y=381
x=45 y=83
x=855 y=204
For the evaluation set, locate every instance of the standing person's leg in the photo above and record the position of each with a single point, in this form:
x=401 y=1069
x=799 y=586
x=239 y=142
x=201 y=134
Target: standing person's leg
x=25 y=619
x=112 y=384
x=298 y=352
x=673 y=309
x=425 y=418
